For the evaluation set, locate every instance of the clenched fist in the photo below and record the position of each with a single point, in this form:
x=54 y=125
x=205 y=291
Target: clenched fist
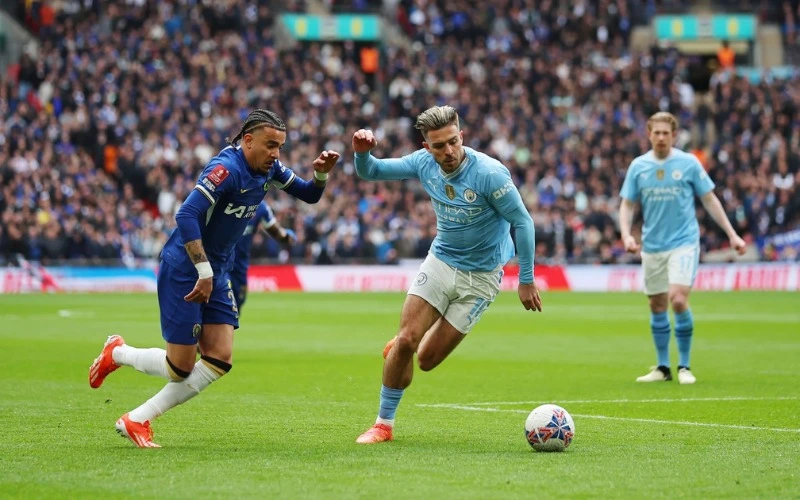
x=363 y=141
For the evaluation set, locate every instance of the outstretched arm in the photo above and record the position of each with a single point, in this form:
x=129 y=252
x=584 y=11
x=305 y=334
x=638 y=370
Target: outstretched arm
x=309 y=191
x=714 y=207
x=370 y=168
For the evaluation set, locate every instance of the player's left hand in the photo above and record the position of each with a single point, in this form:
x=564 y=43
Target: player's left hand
x=325 y=161
x=738 y=244
x=529 y=296
x=289 y=238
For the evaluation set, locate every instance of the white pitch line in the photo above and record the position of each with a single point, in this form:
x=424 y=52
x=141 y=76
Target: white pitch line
x=694 y=424
x=602 y=401
x=472 y=408
x=69 y=313
x=624 y=419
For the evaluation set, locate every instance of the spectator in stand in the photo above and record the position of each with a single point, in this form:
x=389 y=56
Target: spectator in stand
x=112 y=118
x=726 y=56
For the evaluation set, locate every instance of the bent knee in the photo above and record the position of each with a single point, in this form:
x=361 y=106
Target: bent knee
x=219 y=366
x=177 y=373
x=405 y=344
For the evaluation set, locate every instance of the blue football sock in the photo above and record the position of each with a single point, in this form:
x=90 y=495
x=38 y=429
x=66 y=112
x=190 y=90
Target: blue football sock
x=684 y=327
x=659 y=326
x=390 y=398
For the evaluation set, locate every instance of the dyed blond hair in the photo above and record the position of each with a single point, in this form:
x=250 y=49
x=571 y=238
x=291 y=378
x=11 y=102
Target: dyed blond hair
x=435 y=118
x=662 y=117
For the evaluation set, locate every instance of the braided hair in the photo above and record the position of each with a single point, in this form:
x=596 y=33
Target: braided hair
x=256 y=119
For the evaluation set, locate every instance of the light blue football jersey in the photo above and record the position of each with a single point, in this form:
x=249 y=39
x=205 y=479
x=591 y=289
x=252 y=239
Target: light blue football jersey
x=666 y=190
x=475 y=207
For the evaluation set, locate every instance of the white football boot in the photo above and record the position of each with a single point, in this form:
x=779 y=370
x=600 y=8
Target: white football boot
x=685 y=376
x=658 y=374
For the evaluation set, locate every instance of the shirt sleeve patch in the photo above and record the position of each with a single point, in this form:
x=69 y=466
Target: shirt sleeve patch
x=219 y=174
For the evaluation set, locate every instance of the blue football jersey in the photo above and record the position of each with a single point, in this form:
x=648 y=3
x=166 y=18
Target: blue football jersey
x=235 y=192
x=475 y=206
x=241 y=253
x=666 y=190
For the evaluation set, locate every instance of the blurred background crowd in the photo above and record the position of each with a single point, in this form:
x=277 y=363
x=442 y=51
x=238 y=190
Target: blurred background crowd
x=105 y=126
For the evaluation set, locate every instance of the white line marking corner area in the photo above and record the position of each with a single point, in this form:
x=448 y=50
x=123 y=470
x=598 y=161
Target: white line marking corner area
x=489 y=407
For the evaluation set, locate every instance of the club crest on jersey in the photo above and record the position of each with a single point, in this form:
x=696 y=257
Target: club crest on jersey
x=449 y=191
x=219 y=174
x=660 y=174
x=677 y=175
x=470 y=195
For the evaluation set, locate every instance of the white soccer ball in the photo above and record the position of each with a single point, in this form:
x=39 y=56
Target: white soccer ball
x=549 y=428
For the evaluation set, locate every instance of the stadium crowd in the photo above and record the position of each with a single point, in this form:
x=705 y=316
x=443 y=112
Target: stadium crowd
x=104 y=128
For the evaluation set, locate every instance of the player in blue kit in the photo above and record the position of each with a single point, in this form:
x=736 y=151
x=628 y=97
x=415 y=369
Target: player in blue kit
x=194 y=295
x=665 y=182
x=476 y=203
x=263 y=220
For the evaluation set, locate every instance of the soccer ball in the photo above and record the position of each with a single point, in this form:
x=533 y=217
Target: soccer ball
x=549 y=428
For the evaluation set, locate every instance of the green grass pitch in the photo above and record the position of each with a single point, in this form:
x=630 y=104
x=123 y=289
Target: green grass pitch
x=305 y=383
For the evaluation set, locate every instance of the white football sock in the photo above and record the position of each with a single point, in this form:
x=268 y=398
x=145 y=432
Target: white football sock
x=151 y=361
x=175 y=393
x=385 y=421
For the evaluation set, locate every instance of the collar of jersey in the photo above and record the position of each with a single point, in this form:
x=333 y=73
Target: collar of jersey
x=670 y=156
x=454 y=173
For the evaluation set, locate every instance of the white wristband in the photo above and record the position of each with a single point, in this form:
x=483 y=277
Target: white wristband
x=320 y=176
x=204 y=270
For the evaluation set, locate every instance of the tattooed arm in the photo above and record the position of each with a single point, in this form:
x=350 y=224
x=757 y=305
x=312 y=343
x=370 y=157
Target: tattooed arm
x=188 y=221
x=196 y=251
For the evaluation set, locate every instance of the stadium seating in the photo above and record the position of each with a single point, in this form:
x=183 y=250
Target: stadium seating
x=103 y=131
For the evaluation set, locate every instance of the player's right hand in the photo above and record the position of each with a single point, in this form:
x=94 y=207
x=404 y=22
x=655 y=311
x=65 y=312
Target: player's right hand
x=201 y=291
x=630 y=244
x=364 y=140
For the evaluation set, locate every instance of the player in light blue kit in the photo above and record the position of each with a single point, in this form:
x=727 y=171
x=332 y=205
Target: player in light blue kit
x=195 y=298
x=665 y=181
x=264 y=220
x=476 y=203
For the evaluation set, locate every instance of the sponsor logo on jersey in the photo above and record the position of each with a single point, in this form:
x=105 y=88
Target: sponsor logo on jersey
x=450 y=191
x=508 y=186
x=658 y=194
x=219 y=174
x=246 y=211
x=470 y=195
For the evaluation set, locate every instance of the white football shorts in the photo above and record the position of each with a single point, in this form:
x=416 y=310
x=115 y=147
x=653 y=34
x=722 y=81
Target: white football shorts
x=460 y=296
x=671 y=267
